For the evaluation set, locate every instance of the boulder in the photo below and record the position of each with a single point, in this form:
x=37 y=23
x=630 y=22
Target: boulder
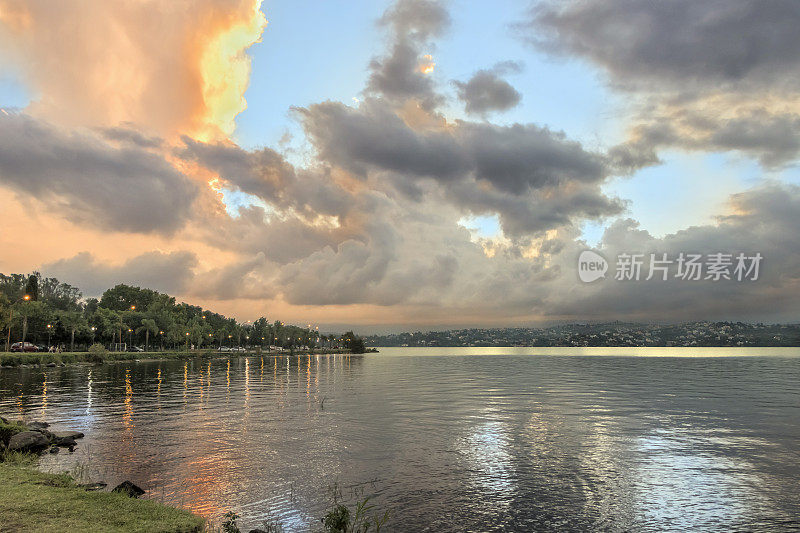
x=68 y=434
x=37 y=425
x=126 y=487
x=67 y=442
x=51 y=365
x=27 y=441
x=54 y=449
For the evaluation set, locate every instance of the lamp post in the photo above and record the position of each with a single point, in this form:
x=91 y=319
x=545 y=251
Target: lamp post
x=10 y=319
x=130 y=335
x=161 y=339
x=93 y=330
x=187 y=341
x=49 y=331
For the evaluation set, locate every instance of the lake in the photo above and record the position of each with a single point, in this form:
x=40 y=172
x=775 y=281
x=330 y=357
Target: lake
x=447 y=439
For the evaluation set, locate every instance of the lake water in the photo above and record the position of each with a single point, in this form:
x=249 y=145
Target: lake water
x=449 y=439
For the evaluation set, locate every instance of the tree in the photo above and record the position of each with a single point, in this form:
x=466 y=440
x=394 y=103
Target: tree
x=148 y=326
x=73 y=321
x=32 y=286
x=354 y=343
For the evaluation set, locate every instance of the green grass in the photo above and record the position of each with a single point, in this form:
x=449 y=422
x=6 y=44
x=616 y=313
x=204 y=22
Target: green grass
x=9 y=430
x=34 y=501
x=17 y=359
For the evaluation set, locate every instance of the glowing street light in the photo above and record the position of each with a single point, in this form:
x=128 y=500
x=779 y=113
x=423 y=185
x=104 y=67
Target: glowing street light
x=49 y=331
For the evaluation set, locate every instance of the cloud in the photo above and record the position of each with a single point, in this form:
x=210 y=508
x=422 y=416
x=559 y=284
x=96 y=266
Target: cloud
x=404 y=73
x=168 y=66
x=121 y=188
x=485 y=91
x=719 y=74
x=167 y=272
x=535 y=178
x=764 y=220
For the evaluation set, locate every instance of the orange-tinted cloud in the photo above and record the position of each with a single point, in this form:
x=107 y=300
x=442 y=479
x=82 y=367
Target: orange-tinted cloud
x=168 y=67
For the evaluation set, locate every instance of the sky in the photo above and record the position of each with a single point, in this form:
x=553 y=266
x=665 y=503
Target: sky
x=394 y=165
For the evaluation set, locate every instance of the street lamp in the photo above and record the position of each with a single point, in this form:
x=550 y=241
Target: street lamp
x=49 y=331
x=93 y=330
x=10 y=319
x=130 y=335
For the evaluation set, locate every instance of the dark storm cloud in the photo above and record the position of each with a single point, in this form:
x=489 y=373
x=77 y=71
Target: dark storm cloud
x=167 y=272
x=398 y=76
x=512 y=158
x=765 y=220
x=266 y=174
x=534 y=178
x=486 y=91
x=124 y=188
x=677 y=41
x=720 y=74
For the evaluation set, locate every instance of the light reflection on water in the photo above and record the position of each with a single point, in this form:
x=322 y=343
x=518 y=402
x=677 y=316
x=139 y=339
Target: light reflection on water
x=447 y=442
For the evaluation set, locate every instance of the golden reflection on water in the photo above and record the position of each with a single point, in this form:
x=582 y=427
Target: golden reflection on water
x=44 y=394
x=228 y=378
x=89 y=393
x=127 y=417
x=308 y=377
x=185 y=382
x=246 y=383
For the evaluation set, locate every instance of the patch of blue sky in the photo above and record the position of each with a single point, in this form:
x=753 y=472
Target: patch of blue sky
x=482 y=226
x=13 y=93
x=688 y=189
x=310 y=52
x=564 y=95
x=234 y=200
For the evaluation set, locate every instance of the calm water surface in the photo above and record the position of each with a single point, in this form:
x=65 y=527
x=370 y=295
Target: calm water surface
x=448 y=440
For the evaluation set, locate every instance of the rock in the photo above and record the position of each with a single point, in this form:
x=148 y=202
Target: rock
x=257 y=531
x=126 y=487
x=93 y=486
x=37 y=425
x=28 y=441
x=70 y=434
x=45 y=433
x=54 y=449
x=67 y=442
x=51 y=365
x=3 y=420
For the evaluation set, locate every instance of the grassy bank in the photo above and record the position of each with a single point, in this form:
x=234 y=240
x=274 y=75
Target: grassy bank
x=43 y=359
x=34 y=501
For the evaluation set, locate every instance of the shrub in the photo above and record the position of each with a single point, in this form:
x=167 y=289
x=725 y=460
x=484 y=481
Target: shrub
x=97 y=353
x=9 y=430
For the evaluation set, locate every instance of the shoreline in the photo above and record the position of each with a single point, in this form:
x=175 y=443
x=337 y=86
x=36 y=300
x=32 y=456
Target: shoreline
x=46 y=359
x=33 y=500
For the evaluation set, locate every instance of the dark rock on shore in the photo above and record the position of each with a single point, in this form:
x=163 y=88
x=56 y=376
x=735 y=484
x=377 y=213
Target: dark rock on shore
x=28 y=441
x=68 y=434
x=126 y=487
x=67 y=442
x=37 y=425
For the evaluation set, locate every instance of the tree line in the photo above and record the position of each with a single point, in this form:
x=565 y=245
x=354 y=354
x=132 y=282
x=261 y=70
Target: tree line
x=43 y=310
